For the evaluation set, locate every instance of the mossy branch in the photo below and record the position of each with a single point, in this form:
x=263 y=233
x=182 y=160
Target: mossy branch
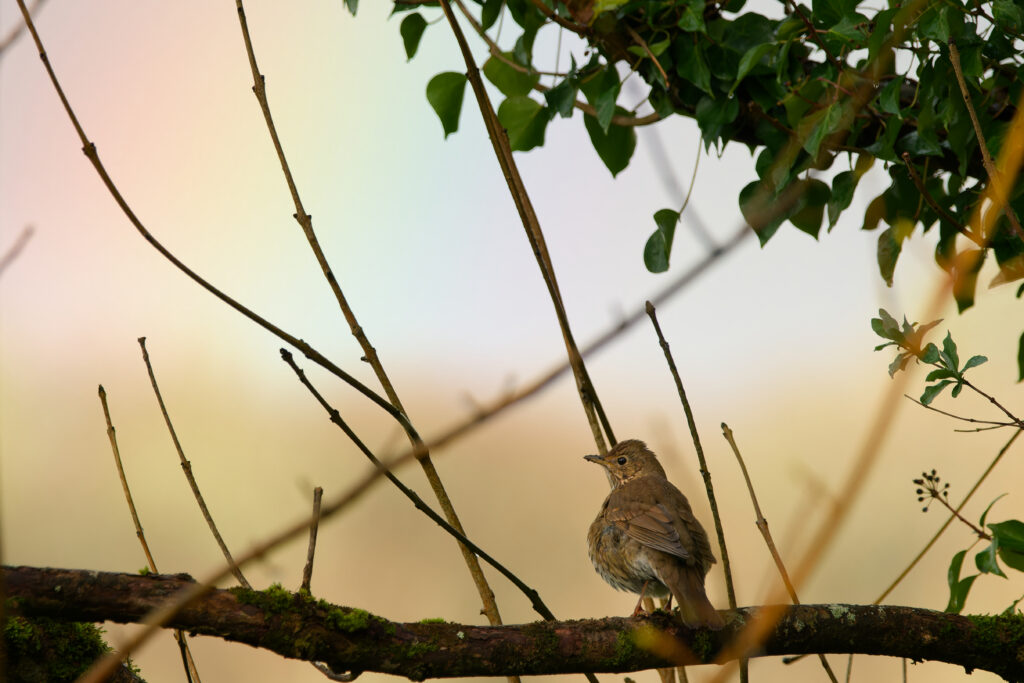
x=348 y=639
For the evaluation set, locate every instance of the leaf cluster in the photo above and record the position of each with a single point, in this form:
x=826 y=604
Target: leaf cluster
x=1006 y=543
x=908 y=338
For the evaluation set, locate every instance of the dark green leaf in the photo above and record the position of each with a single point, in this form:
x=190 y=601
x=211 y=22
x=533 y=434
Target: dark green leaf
x=986 y=561
x=562 y=97
x=809 y=211
x=984 y=514
x=931 y=354
x=755 y=205
x=614 y=147
x=1008 y=15
x=815 y=127
x=949 y=353
x=412 y=28
x=1012 y=558
x=659 y=244
x=958 y=589
x=973 y=362
x=444 y=92
x=509 y=80
x=489 y=13
x=691 y=63
x=352 y=6
x=525 y=120
x=713 y=115
x=940 y=373
x=1009 y=534
x=692 y=19
x=967 y=264
x=843 y=186
x=889 y=98
x=930 y=392
x=602 y=90
x=750 y=59
x=889 y=247
x=850 y=28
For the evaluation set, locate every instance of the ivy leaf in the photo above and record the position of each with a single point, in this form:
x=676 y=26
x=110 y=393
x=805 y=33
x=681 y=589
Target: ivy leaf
x=889 y=248
x=750 y=59
x=615 y=147
x=811 y=207
x=692 y=19
x=562 y=97
x=984 y=514
x=1009 y=534
x=815 y=127
x=715 y=114
x=958 y=588
x=412 y=29
x=525 y=120
x=986 y=561
x=506 y=78
x=1008 y=15
x=843 y=186
x=602 y=91
x=691 y=63
x=445 y=92
x=659 y=244
x=889 y=98
x=489 y=13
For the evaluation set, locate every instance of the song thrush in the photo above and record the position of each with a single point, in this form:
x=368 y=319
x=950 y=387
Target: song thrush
x=645 y=538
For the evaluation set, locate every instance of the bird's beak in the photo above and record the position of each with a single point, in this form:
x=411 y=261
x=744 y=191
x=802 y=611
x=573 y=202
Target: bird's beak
x=594 y=458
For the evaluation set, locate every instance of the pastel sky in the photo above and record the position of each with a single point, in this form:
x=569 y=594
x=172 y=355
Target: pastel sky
x=426 y=243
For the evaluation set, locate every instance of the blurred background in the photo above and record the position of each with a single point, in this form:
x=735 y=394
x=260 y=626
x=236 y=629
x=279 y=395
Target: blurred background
x=428 y=248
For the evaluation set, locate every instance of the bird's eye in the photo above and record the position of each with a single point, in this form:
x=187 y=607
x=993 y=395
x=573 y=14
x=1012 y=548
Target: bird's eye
x=621 y=460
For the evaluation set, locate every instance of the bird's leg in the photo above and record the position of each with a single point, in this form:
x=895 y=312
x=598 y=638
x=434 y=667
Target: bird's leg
x=640 y=603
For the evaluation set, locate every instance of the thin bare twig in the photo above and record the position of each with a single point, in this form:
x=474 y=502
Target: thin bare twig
x=959 y=417
x=17 y=30
x=490 y=606
x=191 y=672
x=186 y=467
x=14 y=251
x=704 y=471
x=307 y=571
x=502 y=150
x=762 y=526
x=336 y=418
x=995 y=177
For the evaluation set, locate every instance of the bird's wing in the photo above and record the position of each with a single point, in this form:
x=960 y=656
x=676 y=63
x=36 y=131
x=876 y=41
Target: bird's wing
x=650 y=524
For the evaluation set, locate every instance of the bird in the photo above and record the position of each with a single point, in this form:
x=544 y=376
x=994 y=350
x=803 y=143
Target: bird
x=646 y=539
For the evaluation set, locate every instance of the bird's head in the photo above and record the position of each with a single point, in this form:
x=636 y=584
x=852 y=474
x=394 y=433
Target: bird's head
x=628 y=460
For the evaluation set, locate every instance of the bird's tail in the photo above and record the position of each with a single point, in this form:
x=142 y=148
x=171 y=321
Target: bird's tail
x=695 y=609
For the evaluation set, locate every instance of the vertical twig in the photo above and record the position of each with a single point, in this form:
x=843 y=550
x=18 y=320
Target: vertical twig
x=762 y=525
x=369 y=352
x=994 y=176
x=186 y=467
x=704 y=472
x=191 y=672
x=307 y=572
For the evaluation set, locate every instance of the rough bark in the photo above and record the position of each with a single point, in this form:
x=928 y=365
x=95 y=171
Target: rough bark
x=349 y=639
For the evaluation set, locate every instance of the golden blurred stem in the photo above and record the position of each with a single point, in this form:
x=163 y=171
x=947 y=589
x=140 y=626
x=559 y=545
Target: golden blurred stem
x=762 y=526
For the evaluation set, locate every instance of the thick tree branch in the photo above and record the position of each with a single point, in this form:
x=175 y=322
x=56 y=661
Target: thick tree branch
x=351 y=639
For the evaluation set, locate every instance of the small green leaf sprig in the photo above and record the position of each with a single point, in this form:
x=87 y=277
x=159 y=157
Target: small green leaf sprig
x=909 y=339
